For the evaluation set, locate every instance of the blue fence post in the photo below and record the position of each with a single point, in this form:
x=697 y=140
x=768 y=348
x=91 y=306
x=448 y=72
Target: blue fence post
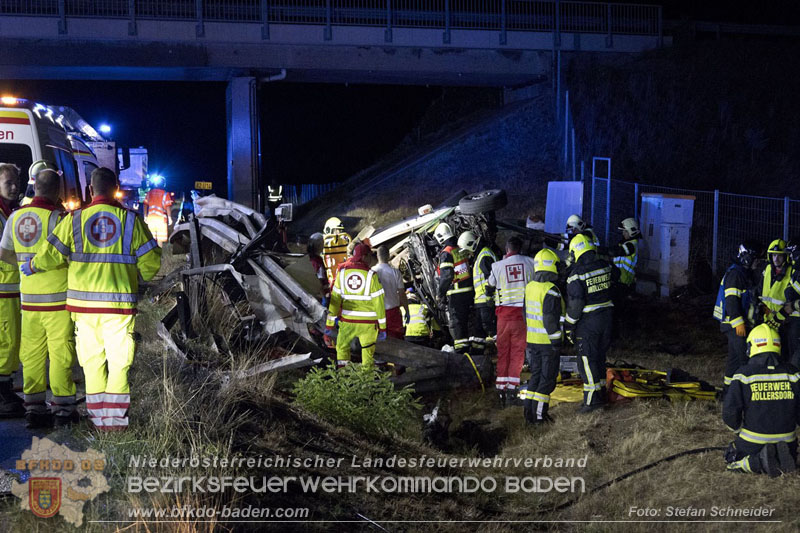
x=786 y=218
x=715 y=239
x=132 y=14
x=592 y=212
x=327 y=33
x=608 y=205
x=446 y=35
x=660 y=27
x=265 y=20
x=636 y=202
x=200 y=30
x=387 y=36
x=609 y=38
x=62 y=17
x=503 y=36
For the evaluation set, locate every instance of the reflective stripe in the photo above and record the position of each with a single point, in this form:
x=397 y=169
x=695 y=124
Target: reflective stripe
x=733 y=291
x=24 y=257
x=539 y=397
x=766 y=438
x=443 y=265
x=146 y=247
x=104 y=258
x=595 y=307
x=76 y=231
x=462 y=289
x=127 y=232
x=367 y=314
x=569 y=320
x=736 y=321
x=60 y=246
x=539 y=330
x=590 y=386
x=102 y=296
x=794 y=378
x=377 y=293
x=727 y=380
x=555 y=336
x=772 y=300
x=9 y=286
x=43 y=298
x=354 y=297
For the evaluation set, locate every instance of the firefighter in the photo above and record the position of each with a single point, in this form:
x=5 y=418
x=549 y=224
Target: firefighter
x=485 y=323
x=314 y=248
x=544 y=310
x=334 y=248
x=419 y=324
x=357 y=303
x=589 y=317
x=788 y=318
x=509 y=277
x=625 y=256
x=455 y=285
x=762 y=407
x=108 y=249
x=733 y=307
x=159 y=213
x=10 y=403
x=770 y=290
x=575 y=226
x=274 y=196
x=46 y=324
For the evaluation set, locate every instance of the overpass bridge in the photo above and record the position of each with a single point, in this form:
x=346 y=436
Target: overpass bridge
x=499 y=43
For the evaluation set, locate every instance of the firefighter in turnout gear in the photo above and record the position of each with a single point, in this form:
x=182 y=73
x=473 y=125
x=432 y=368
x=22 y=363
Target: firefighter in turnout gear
x=357 y=302
x=733 y=307
x=509 y=277
x=625 y=257
x=589 y=317
x=420 y=324
x=455 y=284
x=10 y=403
x=771 y=290
x=762 y=407
x=334 y=246
x=544 y=311
x=485 y=323
x=788 y=318
x=108 y=249
x=46 y=324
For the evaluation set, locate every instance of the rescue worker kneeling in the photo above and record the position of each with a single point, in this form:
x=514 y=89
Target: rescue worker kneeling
x=762 y=406
x=357 y=301
x=544 y=308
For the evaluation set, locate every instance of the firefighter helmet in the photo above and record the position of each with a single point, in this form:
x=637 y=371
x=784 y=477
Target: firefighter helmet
x=631 y=226
x=793 y=249
x=442 y=233
x=546 y=261
x=763 y=339
x=778 y=246
x=468 y=241
x=746 y=255
x=315 y=243
x=575 y=224
x=579 y=245
x=333 y=225
x=40 y=165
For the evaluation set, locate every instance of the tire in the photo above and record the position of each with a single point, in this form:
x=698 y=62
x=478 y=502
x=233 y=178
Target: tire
x=482 y=202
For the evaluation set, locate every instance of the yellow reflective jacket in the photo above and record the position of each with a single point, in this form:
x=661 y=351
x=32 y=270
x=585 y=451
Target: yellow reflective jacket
x=357 y=297
x=479 y=279
x=773 y=292
x=30 y=226
x=626 y=261
x=108 y=248
x=420 y=323
x=9 y=274
x=544 y=310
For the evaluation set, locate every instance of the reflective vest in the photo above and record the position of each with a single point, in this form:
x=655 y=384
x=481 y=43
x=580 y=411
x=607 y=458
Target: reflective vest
x=108 y=248
x=772 y=294
x=158 y=202
x=334 y=251
x=9 y=275
x=460 y=266
x=275 y=193
x=479 y=281
x=720 y=307
x=30 y=227
x=535 y=293
x=627 y=263
x=511 y=276
x=418 y=322
x=357 y=297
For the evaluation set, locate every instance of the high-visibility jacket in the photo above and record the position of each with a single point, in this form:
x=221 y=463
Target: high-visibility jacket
x=511 y=275
x=108 y=248
x=626 y=262
x=761 y=404
x=589 y=287
x=357 y=298
x=544 y=309
x=29 y=228
x=334 y=252
x=481 y=270
x=158 y=202
x=452 y=258
x=733 y=297
x=773 y=290
x=9 y=274
x=419 y=321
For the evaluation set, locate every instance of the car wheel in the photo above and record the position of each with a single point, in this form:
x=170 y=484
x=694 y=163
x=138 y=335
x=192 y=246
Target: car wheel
x=481 y=202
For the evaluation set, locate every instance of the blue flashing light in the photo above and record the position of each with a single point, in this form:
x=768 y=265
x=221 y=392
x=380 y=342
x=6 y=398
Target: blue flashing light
x=105 y=128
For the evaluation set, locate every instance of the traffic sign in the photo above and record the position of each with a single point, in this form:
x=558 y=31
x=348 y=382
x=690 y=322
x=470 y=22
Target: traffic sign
x=204 y=185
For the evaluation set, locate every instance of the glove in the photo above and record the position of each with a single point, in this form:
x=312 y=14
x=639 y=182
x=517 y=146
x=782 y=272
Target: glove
x=381 y=336
x=406 y=319
x=569 y=334
x=741 y=331
x=27 y=268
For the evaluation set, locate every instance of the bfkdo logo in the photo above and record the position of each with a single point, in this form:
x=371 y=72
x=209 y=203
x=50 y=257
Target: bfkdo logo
x=44 y=495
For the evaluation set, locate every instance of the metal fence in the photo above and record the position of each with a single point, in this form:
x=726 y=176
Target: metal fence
x=721 y=221
x=517 y=15
x=301 y=194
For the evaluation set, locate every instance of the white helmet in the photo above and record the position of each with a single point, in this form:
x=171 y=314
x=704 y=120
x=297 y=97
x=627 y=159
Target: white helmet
x=575 y=224
x=468 y=241
x=442 y=233
x=631 y=226
x=333 y=225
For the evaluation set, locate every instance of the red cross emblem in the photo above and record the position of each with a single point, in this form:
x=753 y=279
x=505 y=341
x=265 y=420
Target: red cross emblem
x=514 y=272
x=354 y=282
x=103 y=229
x=28 y=229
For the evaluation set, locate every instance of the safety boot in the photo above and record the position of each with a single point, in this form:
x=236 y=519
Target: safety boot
x=786 y=462
x=592 y=407
x=501 y=395
x=38 y=420
x=512 y=398
x=10 y=403
x=61 y=421
x=768 y=458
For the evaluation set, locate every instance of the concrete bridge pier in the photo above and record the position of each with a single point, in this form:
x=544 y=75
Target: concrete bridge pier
x=244 y=146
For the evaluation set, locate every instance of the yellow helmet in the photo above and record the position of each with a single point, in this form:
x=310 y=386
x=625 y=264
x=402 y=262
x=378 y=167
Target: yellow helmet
x=579 y=245
x=545 y=260
x=778 y=246
x=333 y=225
x=763 y=339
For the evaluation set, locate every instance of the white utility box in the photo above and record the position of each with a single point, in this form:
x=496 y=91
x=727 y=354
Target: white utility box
x=666 y=225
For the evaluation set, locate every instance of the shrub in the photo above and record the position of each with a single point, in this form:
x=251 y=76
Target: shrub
x=364 y=401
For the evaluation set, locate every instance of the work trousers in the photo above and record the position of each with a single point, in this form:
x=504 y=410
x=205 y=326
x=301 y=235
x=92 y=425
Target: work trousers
x=9 y=337
x=742 y=456
x=367 y=334
x=157 y=223
x=593 y=337
x=737 y=354
x=394 y=323
x=511 y=343
x=105 y=348
x=544 y=362
x=459 y=307
x=484 y=327
x=48 y=334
